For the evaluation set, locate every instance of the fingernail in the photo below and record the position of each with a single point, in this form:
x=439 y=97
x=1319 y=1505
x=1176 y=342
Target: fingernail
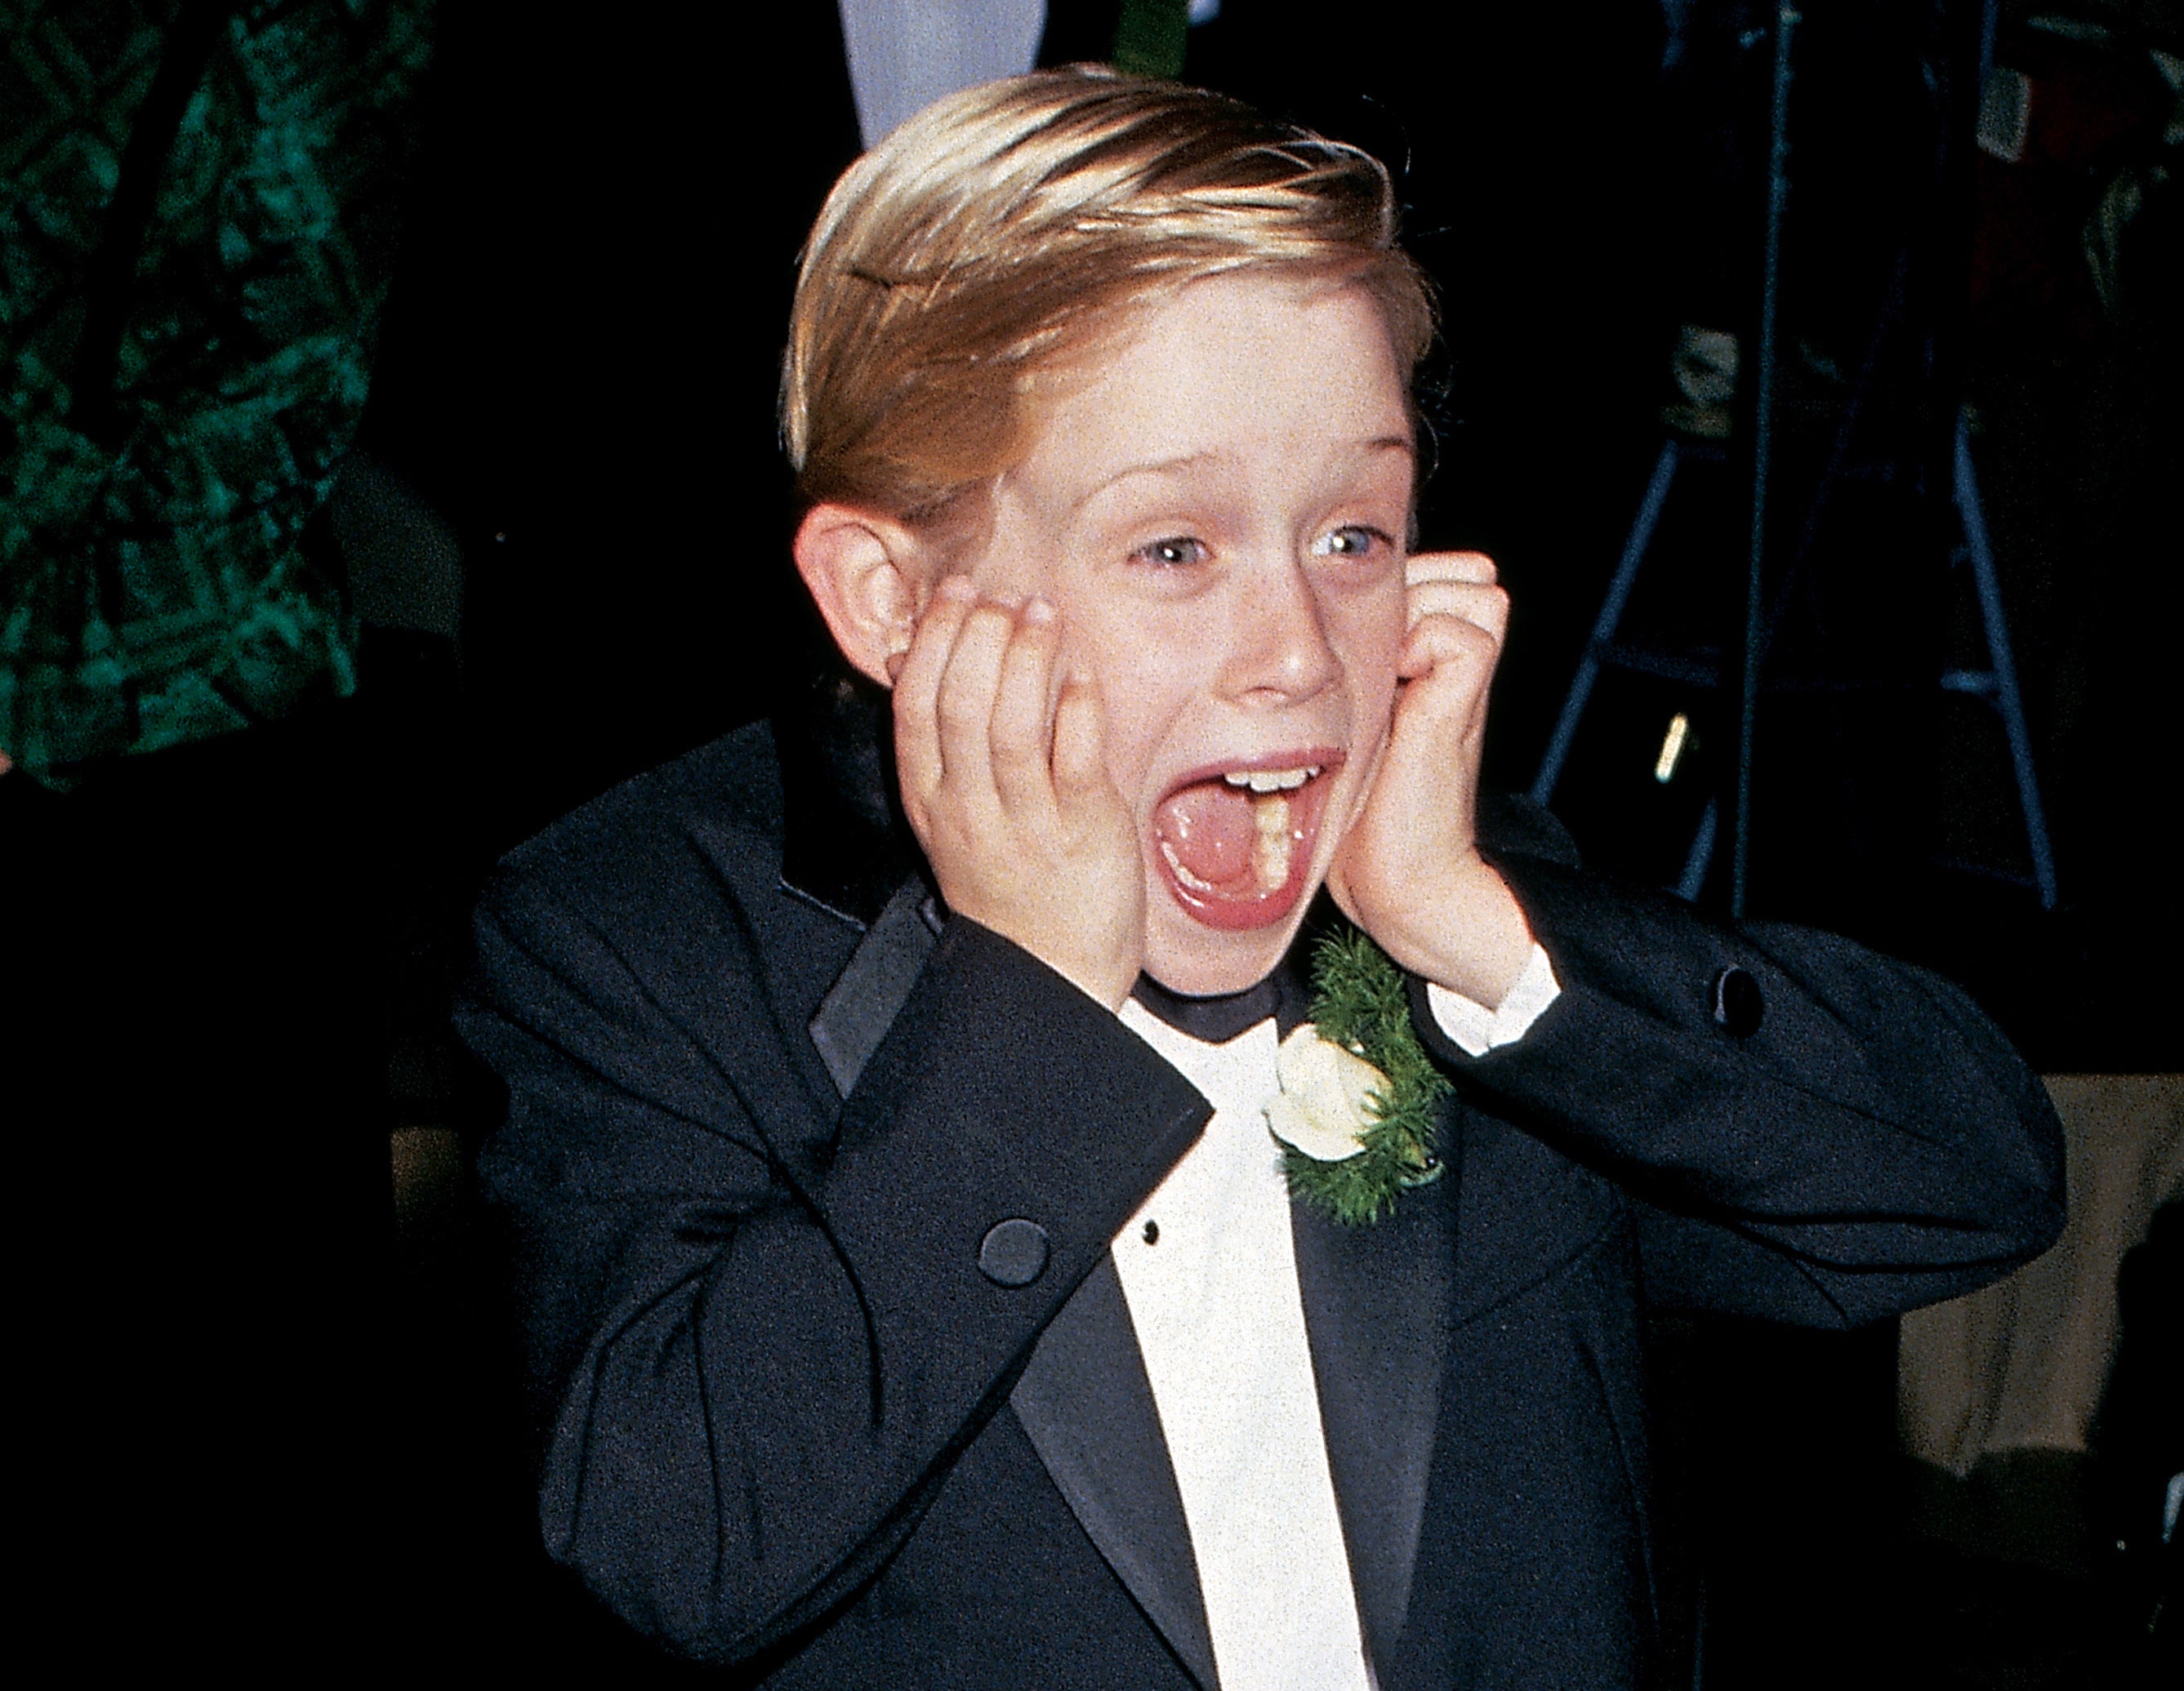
x=1037 y=610
x=957 y=588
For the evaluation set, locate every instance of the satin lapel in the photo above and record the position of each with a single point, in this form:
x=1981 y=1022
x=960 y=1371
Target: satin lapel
x=874 y=985
x=1377 y=1309
x=1087 y=1406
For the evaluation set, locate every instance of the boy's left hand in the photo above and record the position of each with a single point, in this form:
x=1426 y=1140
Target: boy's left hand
x=1408 y=871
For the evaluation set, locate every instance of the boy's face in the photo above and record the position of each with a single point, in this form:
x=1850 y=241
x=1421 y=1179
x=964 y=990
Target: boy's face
x=1217 y=511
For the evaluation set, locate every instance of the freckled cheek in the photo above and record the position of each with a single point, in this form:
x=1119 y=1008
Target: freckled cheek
x=1149 y=677
x=1140 y=713
x=1137 y=733
x=1371 y=646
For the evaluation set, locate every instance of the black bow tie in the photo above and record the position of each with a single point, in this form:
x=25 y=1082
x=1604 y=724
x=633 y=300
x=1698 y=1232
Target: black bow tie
x=1217 y=1019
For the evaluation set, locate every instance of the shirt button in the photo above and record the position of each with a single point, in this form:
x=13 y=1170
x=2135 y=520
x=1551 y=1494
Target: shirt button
x=1013 y=1252
x=1738 y=1006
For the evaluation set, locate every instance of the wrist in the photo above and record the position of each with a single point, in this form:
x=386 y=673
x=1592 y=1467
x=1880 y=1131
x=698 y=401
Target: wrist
x=1469 y=936
x=1105 y=976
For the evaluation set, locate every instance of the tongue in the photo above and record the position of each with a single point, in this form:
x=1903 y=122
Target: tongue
x=1209 y=830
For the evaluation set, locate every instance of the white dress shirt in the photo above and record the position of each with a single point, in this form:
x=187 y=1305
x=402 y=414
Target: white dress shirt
x=1208 y=1268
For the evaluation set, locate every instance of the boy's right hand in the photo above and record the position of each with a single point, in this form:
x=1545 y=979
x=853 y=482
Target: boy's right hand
x=1005 y=784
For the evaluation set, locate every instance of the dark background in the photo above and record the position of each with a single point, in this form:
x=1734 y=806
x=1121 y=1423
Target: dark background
x=579 y=363
x=577 y=377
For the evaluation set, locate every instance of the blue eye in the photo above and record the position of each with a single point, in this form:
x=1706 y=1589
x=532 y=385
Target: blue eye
x=1351 y=541
x=1173 y=552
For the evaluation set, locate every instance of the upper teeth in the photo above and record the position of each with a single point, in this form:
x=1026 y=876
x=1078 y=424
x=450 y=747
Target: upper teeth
x=1272 y=780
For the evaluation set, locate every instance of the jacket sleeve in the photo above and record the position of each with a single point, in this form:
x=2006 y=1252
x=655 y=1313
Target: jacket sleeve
x=757 y=1361
x=1873 y=1143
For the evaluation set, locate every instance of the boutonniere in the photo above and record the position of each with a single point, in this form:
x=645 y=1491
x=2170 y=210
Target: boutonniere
x=1357 y=1114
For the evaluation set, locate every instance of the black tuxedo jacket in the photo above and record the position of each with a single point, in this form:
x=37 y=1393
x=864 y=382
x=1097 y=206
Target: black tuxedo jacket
x=802 y=1413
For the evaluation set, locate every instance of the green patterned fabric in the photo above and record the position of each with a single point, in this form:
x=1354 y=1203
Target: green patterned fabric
x=185 y=330
x=1151 y=37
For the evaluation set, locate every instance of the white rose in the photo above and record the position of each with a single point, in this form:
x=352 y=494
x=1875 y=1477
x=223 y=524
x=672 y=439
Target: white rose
x=1321 y=1109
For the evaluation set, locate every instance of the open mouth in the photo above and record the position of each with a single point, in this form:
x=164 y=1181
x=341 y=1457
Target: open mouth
x=1235 y=843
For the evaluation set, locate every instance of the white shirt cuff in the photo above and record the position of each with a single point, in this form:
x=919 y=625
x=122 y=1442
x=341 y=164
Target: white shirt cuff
x=1478 y=1030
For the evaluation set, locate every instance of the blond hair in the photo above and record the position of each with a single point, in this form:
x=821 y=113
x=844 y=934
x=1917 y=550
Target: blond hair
x=1003 y=231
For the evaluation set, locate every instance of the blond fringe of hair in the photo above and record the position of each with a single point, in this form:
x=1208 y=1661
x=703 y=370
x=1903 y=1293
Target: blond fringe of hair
x=998 y=236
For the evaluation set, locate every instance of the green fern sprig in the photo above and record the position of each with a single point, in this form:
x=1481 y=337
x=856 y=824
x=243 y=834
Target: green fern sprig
x=1359 y=1000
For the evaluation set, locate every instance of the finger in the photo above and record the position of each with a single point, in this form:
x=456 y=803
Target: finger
x=1450 y=660
x=917 y=688
x=1447 y=642
x=1450 y=566
x=1080 y=769
x=966 y=707
x=1484 y=605
x=1022 y=776
x=1439 y=722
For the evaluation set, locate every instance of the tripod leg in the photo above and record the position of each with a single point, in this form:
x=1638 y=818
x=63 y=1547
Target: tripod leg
x=1763 y=427
x=2007 y=698
x=1701 y=854
x=1603 y=630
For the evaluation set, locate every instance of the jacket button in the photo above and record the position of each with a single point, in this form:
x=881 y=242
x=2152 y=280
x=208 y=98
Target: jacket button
x=1013 y=1252
x=1737 y=1003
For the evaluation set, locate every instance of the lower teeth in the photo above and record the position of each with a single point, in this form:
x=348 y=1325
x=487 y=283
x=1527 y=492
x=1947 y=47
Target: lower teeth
x=1183 y=874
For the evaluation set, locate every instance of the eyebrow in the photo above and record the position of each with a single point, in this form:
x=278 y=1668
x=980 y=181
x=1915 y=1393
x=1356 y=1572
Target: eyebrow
x=1183 y=461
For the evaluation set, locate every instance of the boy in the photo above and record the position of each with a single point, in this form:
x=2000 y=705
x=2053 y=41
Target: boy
x=961 y=1289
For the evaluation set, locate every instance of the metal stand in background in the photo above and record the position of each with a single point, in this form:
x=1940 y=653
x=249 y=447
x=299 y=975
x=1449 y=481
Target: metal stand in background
x=1996 y=683
x=1601 y=649
x=1763 y=439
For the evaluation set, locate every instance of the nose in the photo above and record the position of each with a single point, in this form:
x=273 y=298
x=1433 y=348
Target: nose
x=1281 y=653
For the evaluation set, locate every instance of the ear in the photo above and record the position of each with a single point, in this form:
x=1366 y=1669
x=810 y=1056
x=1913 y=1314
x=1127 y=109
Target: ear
x=867 y=574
